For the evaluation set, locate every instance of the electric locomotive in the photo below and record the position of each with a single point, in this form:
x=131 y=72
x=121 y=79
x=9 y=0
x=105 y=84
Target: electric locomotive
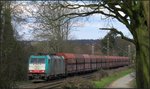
x=45 y=66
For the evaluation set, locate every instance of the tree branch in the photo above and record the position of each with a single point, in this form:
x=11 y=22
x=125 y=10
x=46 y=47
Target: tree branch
x=96 y=8
x=119 y=32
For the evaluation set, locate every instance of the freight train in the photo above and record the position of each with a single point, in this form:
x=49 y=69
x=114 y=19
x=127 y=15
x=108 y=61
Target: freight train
x=46 y=66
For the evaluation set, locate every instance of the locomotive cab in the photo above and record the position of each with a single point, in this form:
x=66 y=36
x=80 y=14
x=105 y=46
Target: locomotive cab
x=37 y=66
x=45 y=67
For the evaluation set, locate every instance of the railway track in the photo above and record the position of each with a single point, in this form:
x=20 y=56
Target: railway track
x=51 y=84
x=42 y=84
x=58 y=82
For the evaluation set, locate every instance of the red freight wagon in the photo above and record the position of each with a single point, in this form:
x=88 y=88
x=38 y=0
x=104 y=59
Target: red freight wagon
x=87 y=62
x=117 y=62
x=100 y=61
x=125 y=60
x=80 y=62
x=107 y=58
x=120 y=61
x=108 y=61
x=97 y=62
x=103 y=64
x=93 y=62
x=70 y=62
x=114 y=61
x=111 y=59
x=96 y=57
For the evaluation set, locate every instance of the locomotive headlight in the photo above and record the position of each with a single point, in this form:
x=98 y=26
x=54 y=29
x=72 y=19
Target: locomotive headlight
x=30 y=70
x=43 y=71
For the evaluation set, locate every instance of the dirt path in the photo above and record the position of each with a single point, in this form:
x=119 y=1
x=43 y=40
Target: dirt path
x=123 y=82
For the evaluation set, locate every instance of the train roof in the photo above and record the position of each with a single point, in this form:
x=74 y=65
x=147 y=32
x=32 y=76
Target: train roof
x=79 y=56
x=66 y=55
x=73 y=56
x=86 y=56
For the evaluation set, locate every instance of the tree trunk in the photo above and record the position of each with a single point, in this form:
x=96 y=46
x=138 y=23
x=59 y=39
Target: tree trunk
x=142 y=58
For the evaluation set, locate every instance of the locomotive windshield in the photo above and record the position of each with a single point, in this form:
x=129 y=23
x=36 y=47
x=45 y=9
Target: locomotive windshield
x=37 y=60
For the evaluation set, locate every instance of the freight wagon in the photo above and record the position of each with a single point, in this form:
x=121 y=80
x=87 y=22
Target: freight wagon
x=62 y=64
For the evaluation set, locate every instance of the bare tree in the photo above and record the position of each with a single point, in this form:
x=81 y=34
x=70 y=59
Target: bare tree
x=134 y=15
x=55 y=32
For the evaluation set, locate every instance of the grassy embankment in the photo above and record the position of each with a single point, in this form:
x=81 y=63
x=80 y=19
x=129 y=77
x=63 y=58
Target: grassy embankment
x=104 y=82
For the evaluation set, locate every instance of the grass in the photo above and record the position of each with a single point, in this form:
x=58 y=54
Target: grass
x=104 y=82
